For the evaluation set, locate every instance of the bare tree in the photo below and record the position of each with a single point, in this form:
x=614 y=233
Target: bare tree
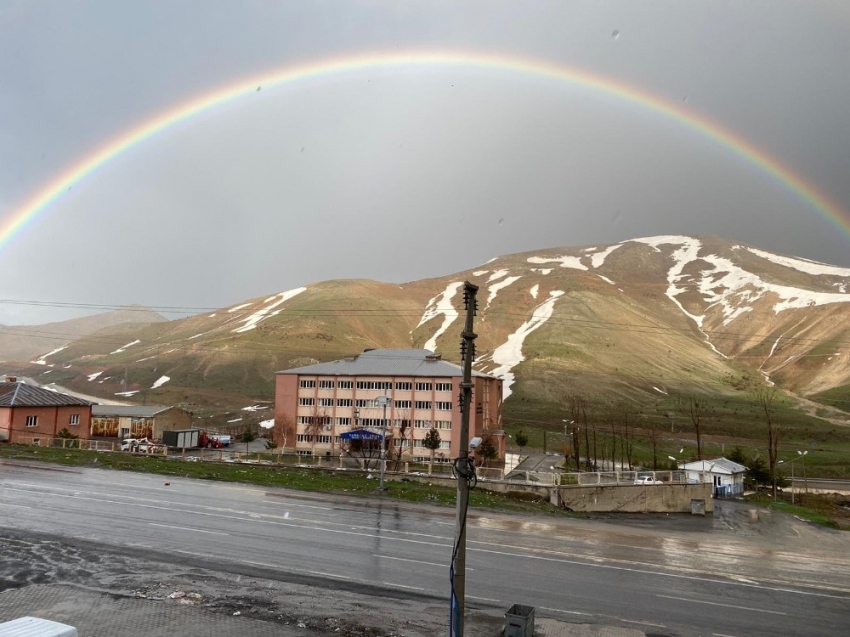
x=281 y=426
x=653 y=440
x=696 y=410
x=401 y=430
x=765 y=397
x=318 y=418
x=611 y=417
x=577 y=407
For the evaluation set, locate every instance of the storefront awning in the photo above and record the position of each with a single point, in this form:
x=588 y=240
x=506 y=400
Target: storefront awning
x=361 y=434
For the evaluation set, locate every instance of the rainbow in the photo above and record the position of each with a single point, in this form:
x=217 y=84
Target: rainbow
x=724 y=137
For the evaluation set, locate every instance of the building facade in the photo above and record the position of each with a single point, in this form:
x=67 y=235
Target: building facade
x=727 y=477
x=316 y=404
x=28 y=412
x=138 y=421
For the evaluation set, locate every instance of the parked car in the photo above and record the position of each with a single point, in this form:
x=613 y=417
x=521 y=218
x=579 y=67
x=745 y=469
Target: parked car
x=647 y=480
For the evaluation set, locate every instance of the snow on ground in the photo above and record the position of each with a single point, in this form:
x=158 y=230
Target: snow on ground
x=494 y=289
x=145 y=359
x=271 y=303
x=497 y=274
x=123 y=347
x=588 y=249
x=606 y=279
x=38 y=362
x=160 y=382
x=440 y=304
x=543 y=271
x=809 y=267
x=660 y=391
x=565 y=261
x=509 y=354
x=480 y=272
x=211 y=316
x=490 y=261
x=41 y=358
x=46 y=372
x=91 y=377
x=533 y=291
x=597 y=259
x=254 y=408
x=127 y=393
x=235 y=419
x=267 y=424
x=238 y=307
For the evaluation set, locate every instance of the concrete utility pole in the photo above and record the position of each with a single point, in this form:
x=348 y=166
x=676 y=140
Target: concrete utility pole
x=463 y=467
x=383 y=401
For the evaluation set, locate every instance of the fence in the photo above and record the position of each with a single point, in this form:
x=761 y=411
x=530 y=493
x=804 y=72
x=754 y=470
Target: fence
x=82 y=444
x=593 y=478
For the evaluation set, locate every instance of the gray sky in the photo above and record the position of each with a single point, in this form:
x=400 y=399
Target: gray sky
x=379 y=173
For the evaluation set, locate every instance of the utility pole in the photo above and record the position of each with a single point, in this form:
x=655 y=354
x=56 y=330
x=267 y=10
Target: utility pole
x=463 y=468
x=383 y=400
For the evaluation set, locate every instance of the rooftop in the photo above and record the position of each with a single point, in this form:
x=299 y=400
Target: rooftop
x=386 y=362
x=18 y=394
x=718 y=465
x=130 y=411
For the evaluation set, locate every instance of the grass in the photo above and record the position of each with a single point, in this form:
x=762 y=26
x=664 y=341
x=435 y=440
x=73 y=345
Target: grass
x=300 y=478
x=818 y=509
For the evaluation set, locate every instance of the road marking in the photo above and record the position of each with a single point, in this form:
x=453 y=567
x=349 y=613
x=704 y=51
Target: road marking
x=702 y=601
x=484 y=599
x=186 y=528
x=290 y=504
x=568 y=612
x=334 y=575
x=643 y=623
x=402 y=559
x=20 y=506
x=723 y=635
x=413 y=588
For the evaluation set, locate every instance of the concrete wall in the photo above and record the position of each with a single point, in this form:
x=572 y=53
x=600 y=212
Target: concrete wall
x=654 y=498
x=172 y=419
x=51 y=420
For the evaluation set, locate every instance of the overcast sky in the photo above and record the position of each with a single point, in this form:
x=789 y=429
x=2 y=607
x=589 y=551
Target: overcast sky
x=385 y=174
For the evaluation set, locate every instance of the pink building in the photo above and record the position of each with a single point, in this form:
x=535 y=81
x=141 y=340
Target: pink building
x=315 y=404
x=28 y=412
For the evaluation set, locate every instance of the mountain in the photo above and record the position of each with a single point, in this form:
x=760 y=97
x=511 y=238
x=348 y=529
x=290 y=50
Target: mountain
x=25 y=342
x=644 y=319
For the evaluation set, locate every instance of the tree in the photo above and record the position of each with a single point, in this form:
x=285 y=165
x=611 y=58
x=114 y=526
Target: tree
x=696 y=410
x=487 y=451
x=315 y=425
x=765 y=397
x=247 y=437
x=432 y=441
x=521 y=439
x=577 y=407
x=758 y=472
x=403 y=424
x=653 y=441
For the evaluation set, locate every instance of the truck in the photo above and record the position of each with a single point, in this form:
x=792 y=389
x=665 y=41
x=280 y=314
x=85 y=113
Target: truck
x=191 y=439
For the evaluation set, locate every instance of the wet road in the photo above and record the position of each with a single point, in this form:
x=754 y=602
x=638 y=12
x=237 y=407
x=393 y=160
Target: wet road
x=730 y=578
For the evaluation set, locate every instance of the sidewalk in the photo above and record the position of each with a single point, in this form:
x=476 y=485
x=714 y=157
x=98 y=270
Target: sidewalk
x=96 y=614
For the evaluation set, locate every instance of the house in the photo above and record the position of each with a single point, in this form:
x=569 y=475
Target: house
x=726 y=476
x=138 y=421
x=316 y=404
x=28 y=411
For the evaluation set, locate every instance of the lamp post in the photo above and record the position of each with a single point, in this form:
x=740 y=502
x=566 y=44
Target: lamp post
x=383 y=401
x=567 y=423
x=779 y=462
x=801 y=455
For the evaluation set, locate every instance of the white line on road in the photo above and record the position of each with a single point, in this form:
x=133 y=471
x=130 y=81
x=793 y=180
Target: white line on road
x=392 y=585
x=568 y=612
x=290 y=504
x=484 y=599
x=20 y=506
x=723 y=635
x=702 y=601
x=334 y=575
x=402 y=559
x=643 y=623
x=186 y=528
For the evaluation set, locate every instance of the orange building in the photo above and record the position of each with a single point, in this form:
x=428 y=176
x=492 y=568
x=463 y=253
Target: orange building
x=27 y=411
x=315 y=404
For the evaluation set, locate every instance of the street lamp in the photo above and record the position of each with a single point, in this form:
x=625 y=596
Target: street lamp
x=779 y=462
x=801 y=455
x=383 y=401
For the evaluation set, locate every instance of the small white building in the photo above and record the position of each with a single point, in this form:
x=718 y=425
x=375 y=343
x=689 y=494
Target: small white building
x=726 y=476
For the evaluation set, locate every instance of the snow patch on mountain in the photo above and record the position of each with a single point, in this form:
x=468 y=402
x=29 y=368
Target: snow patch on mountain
x=598 y=258
x=441 y=305
x=565 y=261
x=41 y=358
x=160 y=382
x=238 y=307
x=809 y=267
x=509 y=354
x=497 y=274
x=91 y=377
x=494 y=289
x=480 y=272
x=272 y=302
x=533 y=290
x=543 y=271
x=606 y=279
x=123 y=347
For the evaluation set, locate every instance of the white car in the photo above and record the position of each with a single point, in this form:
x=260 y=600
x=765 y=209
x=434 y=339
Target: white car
x=647 y=480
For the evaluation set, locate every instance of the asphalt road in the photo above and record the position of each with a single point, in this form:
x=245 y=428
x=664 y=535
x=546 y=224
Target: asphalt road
x=728 y=576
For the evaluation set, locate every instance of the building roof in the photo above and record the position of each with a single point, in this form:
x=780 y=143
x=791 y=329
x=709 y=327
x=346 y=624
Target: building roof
x=18 y=394
x=717 y=465
x=127 y=411
x=386 y=362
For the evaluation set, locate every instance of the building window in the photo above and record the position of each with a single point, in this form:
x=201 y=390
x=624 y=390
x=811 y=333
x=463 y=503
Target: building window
x=344 y=402
x=74 y=419
x=324 y=440
x=368 y=404
x=328 y=402
x=326 y=384
x=423 y=404
x=403 y=386
x=345 y=384
x=423 y=386
x=401 y=443
x=444 y=386
x=402 y=404
x=374 y=384
x=343 y=422
x=304 y=452
x=445 y=444
x=422 y=424
x=442 y=424
x=308 y=384
x=444 y=406
x=305 y=402
x=32 y=421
